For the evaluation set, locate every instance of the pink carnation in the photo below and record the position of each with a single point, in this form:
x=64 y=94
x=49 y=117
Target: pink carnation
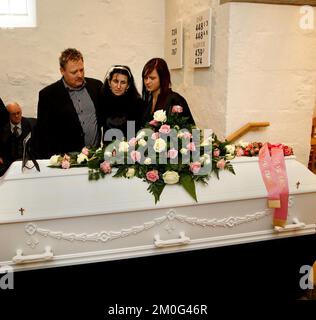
x=152 y=175
x=106 y=167
x=177 y=109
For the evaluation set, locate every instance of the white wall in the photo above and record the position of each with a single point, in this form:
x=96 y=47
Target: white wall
x=272 y=73
x=204 y=88
x=106 y=32
x=263 y=69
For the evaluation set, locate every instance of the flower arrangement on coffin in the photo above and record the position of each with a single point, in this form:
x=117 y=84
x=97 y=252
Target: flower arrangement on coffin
x=167 y=151
x=251 y=149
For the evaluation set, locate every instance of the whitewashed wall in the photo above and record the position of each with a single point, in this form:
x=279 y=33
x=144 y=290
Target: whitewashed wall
x=106 y=32
x=272 y=74
x=204 y=88
x=263 y=69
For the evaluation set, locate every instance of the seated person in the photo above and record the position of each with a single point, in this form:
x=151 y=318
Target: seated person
x=12 y=135
x=4 y=116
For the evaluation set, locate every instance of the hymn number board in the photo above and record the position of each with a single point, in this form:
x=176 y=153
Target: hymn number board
x=201 y=35
x=174 y=47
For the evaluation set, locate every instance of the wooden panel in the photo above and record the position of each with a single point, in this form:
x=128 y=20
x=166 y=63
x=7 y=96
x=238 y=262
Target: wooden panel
x=287 y=2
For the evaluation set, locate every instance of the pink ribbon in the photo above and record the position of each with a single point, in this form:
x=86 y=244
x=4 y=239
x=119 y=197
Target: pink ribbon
x=273 y=171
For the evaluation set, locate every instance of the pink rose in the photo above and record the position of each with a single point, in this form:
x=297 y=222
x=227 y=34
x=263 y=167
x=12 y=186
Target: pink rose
x=154 y=123
x=216 y=153
x=221 y=164
x=165 y=128
x=177 y=109
x=132 y=142
x=287 y=150
x=135 y=156
x=66 y=157
x=85 y=151
x=239 y=152
x=152 y=175
x=155 y=135
x=195 y=167
x=191 y=146
x=65 y=164
x=106 y=167
x=172 y=153
x=187 y=135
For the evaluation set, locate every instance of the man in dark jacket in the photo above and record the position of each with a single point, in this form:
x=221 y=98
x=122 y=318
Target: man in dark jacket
x=12 y=134
x=68 y=110
x=4 y=115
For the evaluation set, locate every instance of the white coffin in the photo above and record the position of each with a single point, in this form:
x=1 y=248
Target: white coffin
x=57 y=217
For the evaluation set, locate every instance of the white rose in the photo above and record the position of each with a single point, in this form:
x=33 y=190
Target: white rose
x=123 y=146
x=230 y=148
x=171 y=177
x=142 y=142
x=54 y=160
x=107 y=154
x=243 y=144
x=130 y=173
x=147 y=161
x=229 y=156
x=207 y=142
x=205 y=157
x=81 y=158
x=160 y=145
x=184 y=151
x=141 y=135
x=160 y=115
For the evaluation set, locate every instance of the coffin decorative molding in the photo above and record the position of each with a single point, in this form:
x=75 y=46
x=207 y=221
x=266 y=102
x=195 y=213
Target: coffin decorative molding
x=171 y=216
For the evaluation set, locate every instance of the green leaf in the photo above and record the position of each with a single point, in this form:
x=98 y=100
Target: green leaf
x=121 y=171
x=188 y=184
x=156 y=189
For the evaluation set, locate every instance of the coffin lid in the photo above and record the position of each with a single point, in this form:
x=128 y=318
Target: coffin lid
x=58 y=193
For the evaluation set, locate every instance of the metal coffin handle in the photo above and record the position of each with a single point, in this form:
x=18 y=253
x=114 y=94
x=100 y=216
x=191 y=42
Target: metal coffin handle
x=293 y=226
x=172 y=242
x=19 y=258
